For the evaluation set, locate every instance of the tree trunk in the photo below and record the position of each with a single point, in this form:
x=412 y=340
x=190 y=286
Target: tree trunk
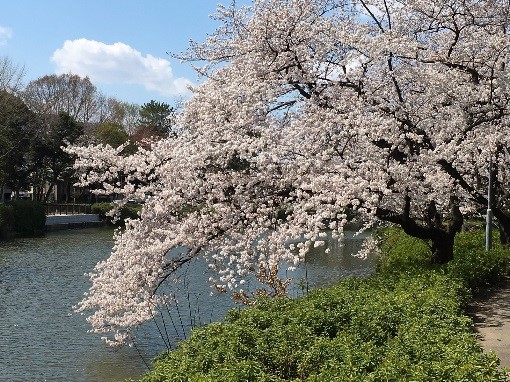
x=440 y=236
x=48 y=193
x=504 y=225
x=502 y=216
x=503 y=235
x=442 y=248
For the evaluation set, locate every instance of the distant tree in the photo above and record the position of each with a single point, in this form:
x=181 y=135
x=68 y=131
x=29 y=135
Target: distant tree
x=68 y=93
x=123 y=113
x=112 y=133
x=130 y=116
x=11 y=75
x=108 y=109
x=17 y=126
x=158 y=118
x=52 y=165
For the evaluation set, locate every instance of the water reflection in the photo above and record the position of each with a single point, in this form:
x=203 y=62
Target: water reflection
x=325 y=268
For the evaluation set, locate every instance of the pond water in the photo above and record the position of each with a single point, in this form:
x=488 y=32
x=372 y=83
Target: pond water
x=42 y=339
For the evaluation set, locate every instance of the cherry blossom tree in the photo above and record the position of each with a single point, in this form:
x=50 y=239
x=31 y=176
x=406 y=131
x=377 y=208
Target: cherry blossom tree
x=312 y=111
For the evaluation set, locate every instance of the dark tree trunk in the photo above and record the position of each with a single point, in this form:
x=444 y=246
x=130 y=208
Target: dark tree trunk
x=442 y=249
x=48 y=192
x=503 y=235
x=440 y=237
x=504 y=225
x=501 y=216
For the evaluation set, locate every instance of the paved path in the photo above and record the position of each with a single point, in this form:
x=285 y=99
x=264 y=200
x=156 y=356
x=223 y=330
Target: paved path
x=71 y=219
x=63 y=222
x=491 y=315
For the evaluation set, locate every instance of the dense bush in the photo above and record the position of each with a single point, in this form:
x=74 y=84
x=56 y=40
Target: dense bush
x=402 y=254
x=130 y=211
x=472 y=264
x=405 y=323
x=476 y=266
x=6 y=221
x=101 y=209
x=29 y=217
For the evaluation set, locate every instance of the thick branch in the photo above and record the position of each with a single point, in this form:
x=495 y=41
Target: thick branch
x=454 y=173
x=408 y=224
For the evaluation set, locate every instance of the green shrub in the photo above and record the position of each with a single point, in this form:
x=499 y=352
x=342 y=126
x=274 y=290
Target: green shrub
x=130 y=211
x=476 y=266
x=404 y=323
x=6 y=221
x=387 y=330
x=29 y=217
x=101 y=209
x=401 y=253
x=472 y=264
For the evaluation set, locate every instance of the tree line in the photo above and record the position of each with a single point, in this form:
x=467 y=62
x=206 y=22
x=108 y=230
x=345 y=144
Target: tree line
x=39 y=118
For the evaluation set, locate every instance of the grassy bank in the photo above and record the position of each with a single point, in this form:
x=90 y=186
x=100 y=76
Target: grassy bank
x=404 y=323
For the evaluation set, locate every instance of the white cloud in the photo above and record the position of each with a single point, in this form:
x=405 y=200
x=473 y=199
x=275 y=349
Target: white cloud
x=5 y=34
x=118 y=64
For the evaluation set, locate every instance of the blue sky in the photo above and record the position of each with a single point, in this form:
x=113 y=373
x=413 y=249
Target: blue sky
x=121 y=45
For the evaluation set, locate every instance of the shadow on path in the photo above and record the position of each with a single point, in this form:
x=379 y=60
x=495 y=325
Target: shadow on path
x=490 y=310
